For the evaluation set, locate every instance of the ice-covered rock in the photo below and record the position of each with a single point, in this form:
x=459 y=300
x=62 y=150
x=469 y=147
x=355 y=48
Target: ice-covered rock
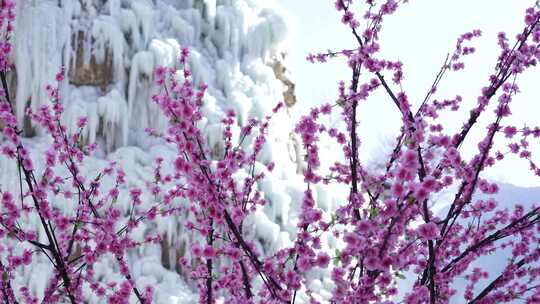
x=109 y=49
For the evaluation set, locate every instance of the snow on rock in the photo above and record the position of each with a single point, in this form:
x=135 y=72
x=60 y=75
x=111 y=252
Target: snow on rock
x=121 y=42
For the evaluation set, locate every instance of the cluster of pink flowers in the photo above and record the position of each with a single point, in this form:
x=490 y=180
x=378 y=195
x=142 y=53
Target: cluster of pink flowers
x=385 y=225
x=424 y=162
x=7 y=18
x=73 y=242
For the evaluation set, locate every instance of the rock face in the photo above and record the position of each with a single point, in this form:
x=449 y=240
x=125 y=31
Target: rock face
x=91 y=73
x=284 y=76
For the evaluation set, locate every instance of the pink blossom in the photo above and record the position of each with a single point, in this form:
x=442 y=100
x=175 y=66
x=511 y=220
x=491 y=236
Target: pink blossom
x=428 y=231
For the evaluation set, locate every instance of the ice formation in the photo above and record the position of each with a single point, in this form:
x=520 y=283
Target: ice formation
x=109 y=50
x=116 y=45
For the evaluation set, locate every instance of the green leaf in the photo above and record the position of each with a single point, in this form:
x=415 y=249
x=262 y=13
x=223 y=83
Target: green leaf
x=333 y=220
x=337 y=259
x=373 y=212
x=399 y=275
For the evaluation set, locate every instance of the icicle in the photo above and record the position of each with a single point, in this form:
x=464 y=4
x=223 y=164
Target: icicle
x=265 y=35
x=194 y=18
x=112 y=109
x=139 y=90
x=209 y=11
x=184 y=31
x=109 y=40
x=165 y=52
x=130 y=27
x=145 y=15
x=38 y=56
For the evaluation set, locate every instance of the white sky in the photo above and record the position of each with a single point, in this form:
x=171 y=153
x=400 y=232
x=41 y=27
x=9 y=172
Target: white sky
x=420 y=34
